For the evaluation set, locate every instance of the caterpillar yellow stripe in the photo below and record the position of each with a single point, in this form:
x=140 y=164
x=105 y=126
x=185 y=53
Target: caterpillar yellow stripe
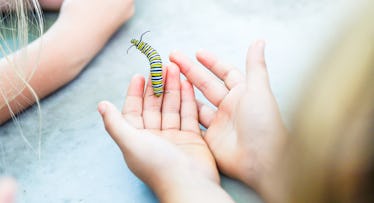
x=154 y=62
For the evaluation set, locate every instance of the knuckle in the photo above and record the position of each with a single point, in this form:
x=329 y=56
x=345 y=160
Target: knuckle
x=203 y=85
x=261 y=62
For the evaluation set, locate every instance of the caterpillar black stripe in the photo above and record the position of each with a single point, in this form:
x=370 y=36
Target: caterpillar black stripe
x=154 y=62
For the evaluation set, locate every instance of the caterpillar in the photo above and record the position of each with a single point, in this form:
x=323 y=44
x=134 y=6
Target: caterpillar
x=155 y=64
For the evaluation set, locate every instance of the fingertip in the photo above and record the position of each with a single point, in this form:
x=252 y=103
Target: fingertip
x=200 y=53
x=173 y=68
x=172 y=82
x=183 y=62
x=206 y=58
x=101 y=107
x=256 y=53
x=137 y=77
x=107 y=109
x=256 y=63
x=115 y=125
x=261 y=44
x=112 y=118
x=136 y=84
x=176 y=66
x=174 y=54
x=175 y=51
x=203 y=52
x=178 y=57
x=260 y=49
x=251 y=48
x=257 y=46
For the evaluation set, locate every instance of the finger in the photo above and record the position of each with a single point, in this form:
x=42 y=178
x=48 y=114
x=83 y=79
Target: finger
x=208 y=84
x=189 y=113
x=130 y=141
x=172 y=99
x=256 y=66
x=152 y=107
x=133 y=107
x=115 y=124
x=228 y=73
x=206 y=114
x=8 y=190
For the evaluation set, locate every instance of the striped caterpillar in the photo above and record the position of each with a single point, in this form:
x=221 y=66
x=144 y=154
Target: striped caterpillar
x=154 y=62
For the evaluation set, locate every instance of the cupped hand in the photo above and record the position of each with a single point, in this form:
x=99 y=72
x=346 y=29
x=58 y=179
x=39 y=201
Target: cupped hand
x=160 y=136
x=245 y=132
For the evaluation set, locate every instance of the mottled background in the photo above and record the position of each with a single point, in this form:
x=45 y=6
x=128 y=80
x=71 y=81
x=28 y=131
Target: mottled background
x=80 y=163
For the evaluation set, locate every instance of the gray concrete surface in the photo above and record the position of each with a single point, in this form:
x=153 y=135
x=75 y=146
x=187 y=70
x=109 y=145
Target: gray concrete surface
x=80 y=163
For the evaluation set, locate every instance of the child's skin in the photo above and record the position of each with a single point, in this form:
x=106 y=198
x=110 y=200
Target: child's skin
x=245 y=134
x=51 y=4
x=161 y=141
x=59 y=62
x=63 y=56
x=8 y=188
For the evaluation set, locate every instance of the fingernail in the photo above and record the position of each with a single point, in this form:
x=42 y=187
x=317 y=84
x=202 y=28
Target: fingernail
x=200 y=51
x=102 y=108
x=260 y=44
x=136 y=75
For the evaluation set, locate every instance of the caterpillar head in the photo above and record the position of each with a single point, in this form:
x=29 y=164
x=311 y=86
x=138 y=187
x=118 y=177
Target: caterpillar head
x=134 y=41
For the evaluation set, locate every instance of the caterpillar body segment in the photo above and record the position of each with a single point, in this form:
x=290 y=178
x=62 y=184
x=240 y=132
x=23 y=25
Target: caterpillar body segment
x=155 y=65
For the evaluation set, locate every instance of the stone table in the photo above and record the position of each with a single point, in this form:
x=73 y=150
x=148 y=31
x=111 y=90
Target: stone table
x=80 y=162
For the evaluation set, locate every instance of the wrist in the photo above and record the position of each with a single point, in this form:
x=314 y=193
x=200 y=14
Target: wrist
x=64 y=47
x=263 y=176
x=190 y=188
x=250 y=176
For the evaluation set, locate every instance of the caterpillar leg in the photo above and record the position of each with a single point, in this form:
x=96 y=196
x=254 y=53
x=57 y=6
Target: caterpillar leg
x=158 y=91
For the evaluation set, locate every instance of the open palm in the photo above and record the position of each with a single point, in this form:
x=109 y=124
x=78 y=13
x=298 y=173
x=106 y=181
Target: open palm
x=160 y=136
x=245 y=132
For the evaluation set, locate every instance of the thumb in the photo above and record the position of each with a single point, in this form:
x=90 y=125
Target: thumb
x=256 y=65
x=115 y=124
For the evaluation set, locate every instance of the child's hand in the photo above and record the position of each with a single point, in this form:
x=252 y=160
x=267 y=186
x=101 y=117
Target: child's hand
x=161 y=140
x=246 y=132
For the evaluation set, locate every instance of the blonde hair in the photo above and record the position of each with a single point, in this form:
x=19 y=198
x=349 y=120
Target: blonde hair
x=330 y=156
x=20 y=19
